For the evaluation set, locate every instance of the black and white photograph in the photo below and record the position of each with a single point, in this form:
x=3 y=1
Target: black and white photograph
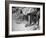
x=25 y=19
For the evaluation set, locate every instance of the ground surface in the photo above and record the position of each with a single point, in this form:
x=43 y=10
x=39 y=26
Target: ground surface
x=20 y=26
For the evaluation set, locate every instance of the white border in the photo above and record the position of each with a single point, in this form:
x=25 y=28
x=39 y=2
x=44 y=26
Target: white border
x=25 y=32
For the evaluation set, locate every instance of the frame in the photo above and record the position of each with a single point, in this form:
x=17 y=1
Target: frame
x=29 y=11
